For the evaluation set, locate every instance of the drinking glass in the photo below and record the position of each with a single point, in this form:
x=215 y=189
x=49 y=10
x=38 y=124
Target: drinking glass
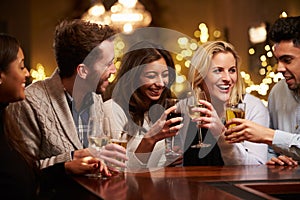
x=97 y=138
x=192 y=103
x=119 y=137
x=235 y=111
x=169 y=102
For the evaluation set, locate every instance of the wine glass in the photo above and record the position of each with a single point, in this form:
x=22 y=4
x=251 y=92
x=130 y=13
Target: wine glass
x=98 y=136
x=169 y=102
x=192 y=103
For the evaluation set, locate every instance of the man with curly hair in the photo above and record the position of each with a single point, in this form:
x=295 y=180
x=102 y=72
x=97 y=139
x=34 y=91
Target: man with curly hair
x=284 y=99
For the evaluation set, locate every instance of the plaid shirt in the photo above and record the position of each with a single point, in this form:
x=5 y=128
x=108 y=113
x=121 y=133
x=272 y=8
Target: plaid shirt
x=81 y=117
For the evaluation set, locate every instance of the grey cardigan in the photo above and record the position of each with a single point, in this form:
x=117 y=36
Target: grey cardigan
x=46 y=121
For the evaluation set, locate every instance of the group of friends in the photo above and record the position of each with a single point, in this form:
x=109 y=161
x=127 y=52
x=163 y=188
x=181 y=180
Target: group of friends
x=43 y=126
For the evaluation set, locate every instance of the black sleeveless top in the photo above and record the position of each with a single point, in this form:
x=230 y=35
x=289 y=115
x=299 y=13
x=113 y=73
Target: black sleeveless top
x=205 y=156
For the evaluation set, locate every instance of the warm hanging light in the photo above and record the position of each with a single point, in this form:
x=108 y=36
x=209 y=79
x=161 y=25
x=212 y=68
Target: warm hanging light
x=97 y=14
x=124 y=14
x=129 y=14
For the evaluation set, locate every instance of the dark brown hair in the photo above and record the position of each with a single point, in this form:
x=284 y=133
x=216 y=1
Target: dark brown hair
x=286 y=29
x=9 y=47
x=125 y=86
x=74 y=40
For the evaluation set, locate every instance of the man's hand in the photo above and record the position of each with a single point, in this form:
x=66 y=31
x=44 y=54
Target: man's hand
x=282 y=160
x=86 y=165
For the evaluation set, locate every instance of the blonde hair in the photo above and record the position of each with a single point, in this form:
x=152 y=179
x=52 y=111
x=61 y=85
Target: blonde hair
x=201 y=63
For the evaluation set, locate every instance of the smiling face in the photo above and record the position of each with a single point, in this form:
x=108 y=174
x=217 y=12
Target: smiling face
x=14 y=80
x=153 y=80
x=104 y=67
x=288 y=57
x=221 y=76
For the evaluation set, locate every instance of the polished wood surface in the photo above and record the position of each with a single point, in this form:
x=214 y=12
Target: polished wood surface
x=203 y=182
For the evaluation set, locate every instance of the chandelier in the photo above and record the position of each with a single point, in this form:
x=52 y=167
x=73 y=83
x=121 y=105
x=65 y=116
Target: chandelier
x=124 y=14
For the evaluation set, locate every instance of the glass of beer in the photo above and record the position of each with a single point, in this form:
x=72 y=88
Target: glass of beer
x=119 y=137
x=235 y=111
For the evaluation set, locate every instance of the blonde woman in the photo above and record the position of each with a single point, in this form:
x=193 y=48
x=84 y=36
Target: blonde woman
x=215 y=69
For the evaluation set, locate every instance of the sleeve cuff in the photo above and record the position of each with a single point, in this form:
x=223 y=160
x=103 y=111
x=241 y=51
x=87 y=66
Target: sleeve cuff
x=282 y=139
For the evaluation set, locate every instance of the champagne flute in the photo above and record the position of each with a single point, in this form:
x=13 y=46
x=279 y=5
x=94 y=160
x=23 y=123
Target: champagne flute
x=97 y=138
x=169 y=102
x=192 y=103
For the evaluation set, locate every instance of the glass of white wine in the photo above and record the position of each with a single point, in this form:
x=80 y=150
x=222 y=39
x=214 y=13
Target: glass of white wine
x=97 y=138
x=192 y=103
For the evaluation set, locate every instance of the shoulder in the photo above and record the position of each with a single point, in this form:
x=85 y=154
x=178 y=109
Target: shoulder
x=112 y=108
x=255 y=110
x=252 y=101
x=250 y=98
x=111 y=104
x=279 y=89
x=116 y=114
x=52 y=84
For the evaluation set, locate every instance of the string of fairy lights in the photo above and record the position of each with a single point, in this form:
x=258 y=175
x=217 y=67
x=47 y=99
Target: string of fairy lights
x=267 y=68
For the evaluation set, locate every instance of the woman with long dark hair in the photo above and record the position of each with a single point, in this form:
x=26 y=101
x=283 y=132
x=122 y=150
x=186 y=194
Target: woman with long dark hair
x=19 y=168
x=137 y=95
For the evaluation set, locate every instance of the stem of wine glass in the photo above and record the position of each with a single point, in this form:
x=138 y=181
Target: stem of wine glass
x=172 y=143
x=200 y=135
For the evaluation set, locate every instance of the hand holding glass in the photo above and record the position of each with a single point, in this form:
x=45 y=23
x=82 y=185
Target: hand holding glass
x=119 y=137
x=235 y=111
x=192 y=103
x=170 y=141
x=97 y=138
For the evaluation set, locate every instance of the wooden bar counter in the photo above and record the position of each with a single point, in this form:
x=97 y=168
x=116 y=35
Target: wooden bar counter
x=203 y=182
